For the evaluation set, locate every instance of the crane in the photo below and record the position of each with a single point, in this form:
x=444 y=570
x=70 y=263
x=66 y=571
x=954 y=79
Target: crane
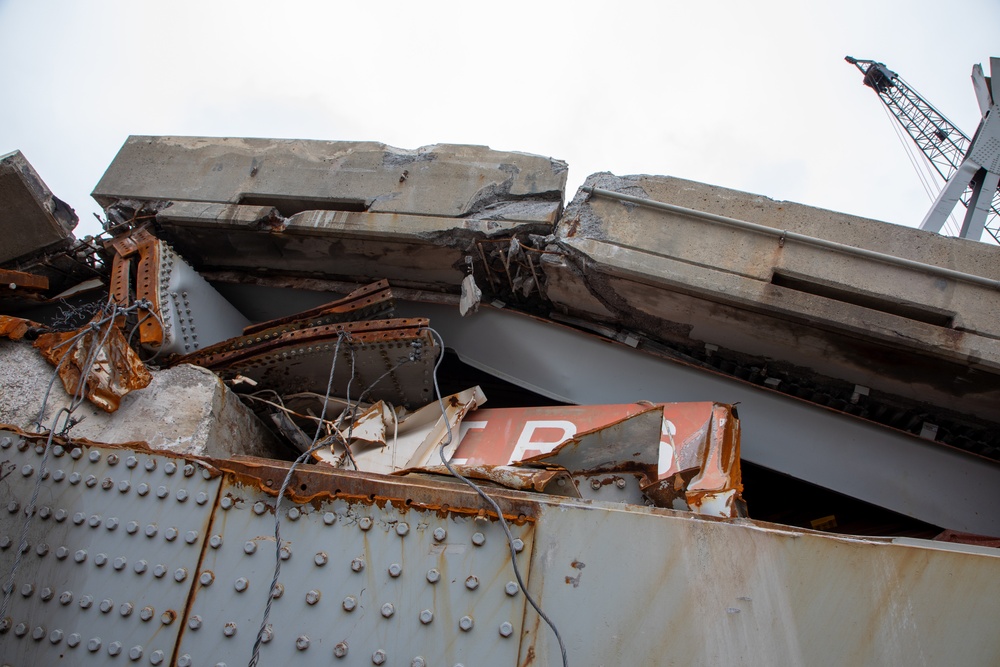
x=970 y=167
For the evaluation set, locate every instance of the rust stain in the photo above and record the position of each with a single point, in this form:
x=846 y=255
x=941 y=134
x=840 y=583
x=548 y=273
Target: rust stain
x=15 y=328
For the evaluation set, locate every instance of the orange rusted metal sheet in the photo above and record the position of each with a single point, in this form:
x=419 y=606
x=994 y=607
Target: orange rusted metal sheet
x=102 y=357
x=14 y=328
x=11 y=279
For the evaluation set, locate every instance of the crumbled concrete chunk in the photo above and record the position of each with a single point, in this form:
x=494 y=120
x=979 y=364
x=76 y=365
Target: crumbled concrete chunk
x=31 y=217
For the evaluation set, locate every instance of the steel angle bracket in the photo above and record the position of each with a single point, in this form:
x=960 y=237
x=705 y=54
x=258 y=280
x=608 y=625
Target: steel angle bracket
x=112 y=552
x=373 y=570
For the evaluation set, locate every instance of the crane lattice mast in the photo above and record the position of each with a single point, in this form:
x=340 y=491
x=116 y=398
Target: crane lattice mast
x=940 y=140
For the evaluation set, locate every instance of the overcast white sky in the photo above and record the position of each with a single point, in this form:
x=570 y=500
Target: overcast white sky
x=749 y=95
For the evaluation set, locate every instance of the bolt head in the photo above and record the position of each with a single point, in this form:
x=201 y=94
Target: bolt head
x=395 y=570
x=321 y=558
x=294 y=514
x=156 y=657
x=350 y=603
x=38 y=633
x=511 y=588
x=194 y=622
x=114 y=648
x=620 y=483
x=426 y=616
x=206 y=578
x=312 y=597
x=340 y=650
x=378 y=657
x=302 y=642
x=388 y=610
x=184 y=661
x=472 y=582
x=241 y=584
x=357 y=564
x=365 y=523
x=180 y=574
x=249 y=547
x=506 y=629
x=595 y=484
x=329 y=518
x=465 y=623
x=433 y=576
x=229 y=629
x=146 y=613
x=215 y=541
x=56 y=636
x=418 y=662
x=478 y=539
x=74 y=640
x=402 y=528
x=440 y=534
x=518 y=545
x=94 y=644
x=135 y=653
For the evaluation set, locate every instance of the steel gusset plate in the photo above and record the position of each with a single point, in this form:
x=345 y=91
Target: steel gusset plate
x=361 y=583
x=112 y=551
x=400 y=362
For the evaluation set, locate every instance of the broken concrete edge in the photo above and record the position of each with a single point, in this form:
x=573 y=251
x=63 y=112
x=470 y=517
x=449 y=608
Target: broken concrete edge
x=33 y=220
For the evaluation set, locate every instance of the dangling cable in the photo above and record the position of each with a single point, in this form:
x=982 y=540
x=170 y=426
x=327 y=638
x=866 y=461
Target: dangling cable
x=496 y=507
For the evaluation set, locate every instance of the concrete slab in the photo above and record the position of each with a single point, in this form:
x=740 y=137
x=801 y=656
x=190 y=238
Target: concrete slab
x=693 y=282
x=31 y=217
x=185 y=409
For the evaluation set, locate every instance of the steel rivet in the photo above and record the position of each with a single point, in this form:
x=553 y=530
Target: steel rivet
x=229 y=629
x=402 y=529
x=506 y=629
x=329 y=518
x=38 y=633
x=388 y=610
x=56 y=636
x=100 y=560
x=124 y=486
x=426 y=616
x=201 y=498
x=126 y=609
x=74 y=640
x=194 y=622
x=20 y=629
x=120 y=563
x=365 y=523
x=465 y=623
x=206 y=578
x=142 y=489
x=184 y=661
x=58 y=475
x=94 y=645
x=26 y=470
x=180 y=574
x=294 y=513
x=191 y=536
x=135 y=653
x=27 y=590
x=182 y=495
x=156 y=657
x=114 y=648
x=249 y=547
x=277 y=591
x=357 y=564
x=150 y=465
x=395 y=570
x=320 y=558
x=170 y=467
x=151 y=530
x=131 y=462
x=241 y=584
x=86 y=601
x=226 y=503
x=440 y=534
x=312 y=597
x=94 y=521
x=159 y=570
x=42 y=549
x=167 y=617
x=162 y=492
x=302 y=642
x=107 y=605
x=378 y=657
x=61 y=553
x=418 y=662
x=259 y=507
x=65 y=597
x=76 y=453
x=140 y=567
x=45 y=594
x=340 y=650
x=80 y=556
x=170 y=534
x=433 y=576
x=146 y=613
x=94 y=456
x=132 y=527
x=350 y=603
x=511 y=588
x=74 y=478
x=60 y=515
x=111 y=523
x=472 y=582
x=478 y=539
x=518 y=545
x=215 y=541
